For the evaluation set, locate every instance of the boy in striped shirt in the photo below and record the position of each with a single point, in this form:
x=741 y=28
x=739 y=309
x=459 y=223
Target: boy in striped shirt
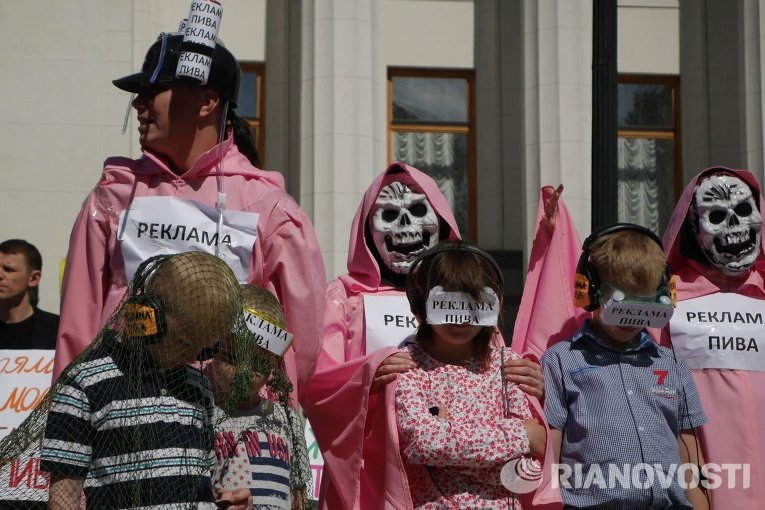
x=130 y=421
x=259 y=442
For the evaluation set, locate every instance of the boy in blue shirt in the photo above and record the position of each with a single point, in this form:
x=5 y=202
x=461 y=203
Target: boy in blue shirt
x=623 y=410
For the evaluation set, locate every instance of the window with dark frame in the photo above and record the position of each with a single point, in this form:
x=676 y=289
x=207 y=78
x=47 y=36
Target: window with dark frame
x=431 y=125
x=649 y=150
x=251 y=101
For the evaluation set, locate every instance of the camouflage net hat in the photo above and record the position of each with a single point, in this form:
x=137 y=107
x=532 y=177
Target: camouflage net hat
x=130 y=421
x=256 y=350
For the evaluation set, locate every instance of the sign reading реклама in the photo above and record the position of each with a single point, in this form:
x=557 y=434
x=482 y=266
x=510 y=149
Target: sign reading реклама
x=168 y=225
x=723 y=330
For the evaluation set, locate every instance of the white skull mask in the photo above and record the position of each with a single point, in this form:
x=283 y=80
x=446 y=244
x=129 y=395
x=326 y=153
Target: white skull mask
x=403 y=225
x=729 y=223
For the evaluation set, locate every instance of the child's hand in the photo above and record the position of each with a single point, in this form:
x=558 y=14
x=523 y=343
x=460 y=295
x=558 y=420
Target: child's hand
x=526 y=374
x=237 y=499
x=389 y=369
x=537 y=436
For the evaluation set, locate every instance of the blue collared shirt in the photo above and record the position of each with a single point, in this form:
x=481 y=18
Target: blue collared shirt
x=619 y=410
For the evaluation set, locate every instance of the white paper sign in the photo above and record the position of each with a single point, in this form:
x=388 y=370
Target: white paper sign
x=25 y=377
x=267 y=335
x=167 y=225
x=723 y=330
x=636 y=314
x=444 y=307
x=388 y=321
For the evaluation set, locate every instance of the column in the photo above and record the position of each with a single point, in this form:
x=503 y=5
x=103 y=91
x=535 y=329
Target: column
x=558 y=105
x=341 y=122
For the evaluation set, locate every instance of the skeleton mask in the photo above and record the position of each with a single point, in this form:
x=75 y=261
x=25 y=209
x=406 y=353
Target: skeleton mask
x=728 y=223
x=403 y=225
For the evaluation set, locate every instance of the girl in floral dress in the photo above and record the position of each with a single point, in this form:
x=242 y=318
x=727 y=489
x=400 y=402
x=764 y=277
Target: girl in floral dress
x=459 y=420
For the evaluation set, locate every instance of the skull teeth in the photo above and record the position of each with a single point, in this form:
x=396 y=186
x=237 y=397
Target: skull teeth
x=737 y=243
x=737 y=238
x=417 y=245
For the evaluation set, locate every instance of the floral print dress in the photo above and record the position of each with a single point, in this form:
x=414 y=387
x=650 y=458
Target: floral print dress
x=456 y=462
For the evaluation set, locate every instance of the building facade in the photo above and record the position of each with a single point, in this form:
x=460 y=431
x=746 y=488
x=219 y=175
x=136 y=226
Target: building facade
x=493 y=98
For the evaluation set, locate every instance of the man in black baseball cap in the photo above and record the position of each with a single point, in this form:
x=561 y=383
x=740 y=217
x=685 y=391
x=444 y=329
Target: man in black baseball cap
x=161 y=61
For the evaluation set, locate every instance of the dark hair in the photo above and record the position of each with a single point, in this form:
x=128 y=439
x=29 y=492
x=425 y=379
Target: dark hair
x=243 y=138
x=31 y=255
x=461 y=268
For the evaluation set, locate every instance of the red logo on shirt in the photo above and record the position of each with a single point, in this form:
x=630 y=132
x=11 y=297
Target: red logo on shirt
x=661 y=374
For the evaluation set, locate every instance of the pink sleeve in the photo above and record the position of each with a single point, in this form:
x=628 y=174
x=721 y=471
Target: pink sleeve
x=293 y=265
x=547 y=313
x=428 y=440
x=336 y=327
x=84 y=286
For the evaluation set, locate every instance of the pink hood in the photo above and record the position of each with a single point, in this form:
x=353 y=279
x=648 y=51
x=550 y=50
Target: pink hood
x=363 y=270
x=733 y=400
x=356 y=430
x=693 y=282
x=235 y=163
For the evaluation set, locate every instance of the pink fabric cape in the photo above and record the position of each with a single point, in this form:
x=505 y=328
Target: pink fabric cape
x=733 y=400
x=356 y=431
x=286 y=255
x=547 y=313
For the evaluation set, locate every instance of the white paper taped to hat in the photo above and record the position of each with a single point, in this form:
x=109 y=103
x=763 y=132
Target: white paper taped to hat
x=267 y=334
x=199 y=38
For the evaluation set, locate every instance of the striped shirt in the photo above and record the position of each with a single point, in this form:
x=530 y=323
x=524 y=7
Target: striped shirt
x=617 y=409
x=138 y=435
x=255 y=450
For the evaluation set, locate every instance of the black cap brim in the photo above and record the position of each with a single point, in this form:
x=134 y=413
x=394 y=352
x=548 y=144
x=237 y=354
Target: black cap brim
x=133 y=82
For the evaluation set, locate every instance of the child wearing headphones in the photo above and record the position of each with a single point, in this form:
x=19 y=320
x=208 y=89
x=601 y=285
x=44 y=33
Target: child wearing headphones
x=623 y=410
x=259 y=442
x=459 y=420
x=130 y=419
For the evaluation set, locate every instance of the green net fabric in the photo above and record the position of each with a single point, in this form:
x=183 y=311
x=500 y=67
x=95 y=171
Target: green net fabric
x=133 y=422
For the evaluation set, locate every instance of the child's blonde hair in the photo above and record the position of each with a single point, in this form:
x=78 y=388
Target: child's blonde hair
x=628 y=259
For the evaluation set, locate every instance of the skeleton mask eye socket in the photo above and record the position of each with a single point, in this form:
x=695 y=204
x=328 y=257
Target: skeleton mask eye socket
x=418 y=210
x=744 y=209
x=717 y=216
x=389 y=215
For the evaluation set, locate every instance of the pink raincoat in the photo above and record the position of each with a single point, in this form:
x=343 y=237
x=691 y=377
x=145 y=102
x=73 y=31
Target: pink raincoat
x=285 y=257
x=734 y=400
x=357 y=431
x=547 y=315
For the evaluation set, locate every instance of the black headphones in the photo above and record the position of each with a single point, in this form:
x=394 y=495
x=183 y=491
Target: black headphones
x=587 y=284
x=445 y=246
x=144 y=313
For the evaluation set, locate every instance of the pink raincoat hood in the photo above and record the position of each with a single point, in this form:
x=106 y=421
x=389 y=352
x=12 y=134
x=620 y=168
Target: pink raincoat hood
x=285 y=256
x=673 y=236
x=363 y=270
x=732 y=399
x=207 y=165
